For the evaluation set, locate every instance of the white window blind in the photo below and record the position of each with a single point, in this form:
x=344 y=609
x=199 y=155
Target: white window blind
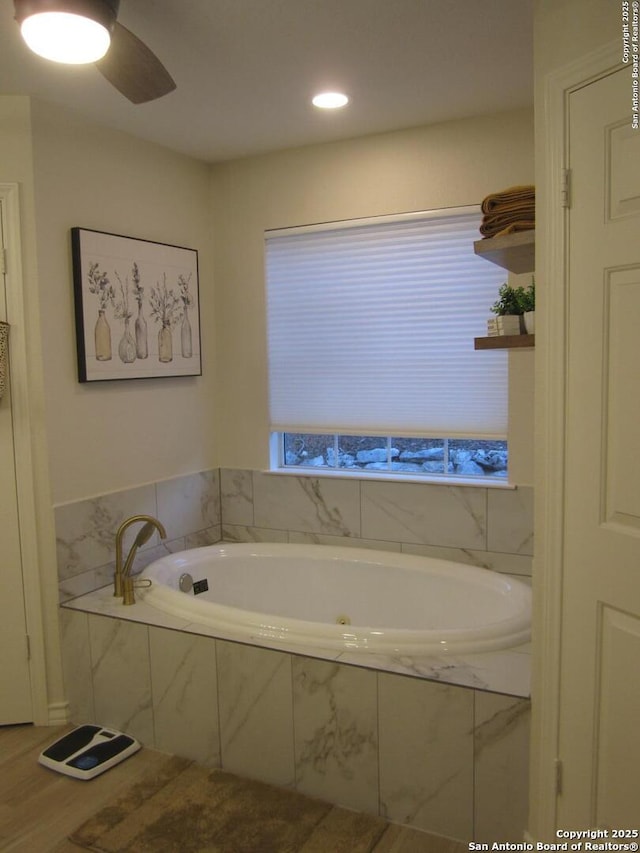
x=371 y=328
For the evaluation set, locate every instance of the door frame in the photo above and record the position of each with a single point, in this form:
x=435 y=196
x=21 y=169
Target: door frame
x=552 y=266
x=34 y=505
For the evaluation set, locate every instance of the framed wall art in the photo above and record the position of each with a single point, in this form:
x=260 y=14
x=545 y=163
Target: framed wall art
x=137 y=307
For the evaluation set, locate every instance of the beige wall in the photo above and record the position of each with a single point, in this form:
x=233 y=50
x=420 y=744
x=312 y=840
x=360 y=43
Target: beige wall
x=107 y=436
x=445 y=165
x=565 y=30
x=104 y=437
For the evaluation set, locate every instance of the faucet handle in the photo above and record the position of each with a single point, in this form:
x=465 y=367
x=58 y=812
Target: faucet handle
x=129 y=584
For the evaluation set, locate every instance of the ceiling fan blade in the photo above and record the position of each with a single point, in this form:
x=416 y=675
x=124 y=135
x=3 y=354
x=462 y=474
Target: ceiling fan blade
x=134 y=70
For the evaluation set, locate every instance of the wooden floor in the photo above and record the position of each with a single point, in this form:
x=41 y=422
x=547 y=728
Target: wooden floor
x=39 y=808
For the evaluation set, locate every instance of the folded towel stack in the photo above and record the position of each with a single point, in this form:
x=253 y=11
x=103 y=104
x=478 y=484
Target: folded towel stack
x=513 y=209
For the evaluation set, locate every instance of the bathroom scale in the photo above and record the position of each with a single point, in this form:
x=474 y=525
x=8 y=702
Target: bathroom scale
x=88 y=751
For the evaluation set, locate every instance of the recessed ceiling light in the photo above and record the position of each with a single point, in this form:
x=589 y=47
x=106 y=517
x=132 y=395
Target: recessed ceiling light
x=330 y=100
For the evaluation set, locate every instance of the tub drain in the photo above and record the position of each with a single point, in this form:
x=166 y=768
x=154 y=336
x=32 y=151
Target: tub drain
x=343 y=620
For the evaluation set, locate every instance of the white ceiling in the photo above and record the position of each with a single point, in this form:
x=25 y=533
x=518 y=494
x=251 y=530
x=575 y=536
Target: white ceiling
x=246 y=69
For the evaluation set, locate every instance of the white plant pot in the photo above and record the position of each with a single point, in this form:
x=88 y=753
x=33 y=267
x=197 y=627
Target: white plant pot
x=509 y=324
x=530 y=322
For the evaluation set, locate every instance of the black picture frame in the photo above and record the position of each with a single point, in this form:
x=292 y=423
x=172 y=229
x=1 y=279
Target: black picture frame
x=137 y=307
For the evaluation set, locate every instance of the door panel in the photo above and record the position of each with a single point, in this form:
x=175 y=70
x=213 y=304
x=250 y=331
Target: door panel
x=618 y=700
x=621 y=484
x=599 y=738
x=622 y=171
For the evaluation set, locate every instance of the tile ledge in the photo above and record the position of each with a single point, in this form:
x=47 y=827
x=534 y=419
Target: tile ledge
x=390 y=478
x=506 y=671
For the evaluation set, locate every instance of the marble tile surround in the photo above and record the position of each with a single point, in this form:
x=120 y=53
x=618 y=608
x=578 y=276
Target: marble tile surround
x=490 y=528
x=235 y=504
x=189 y=508
x=446 y=759
x=417 y=741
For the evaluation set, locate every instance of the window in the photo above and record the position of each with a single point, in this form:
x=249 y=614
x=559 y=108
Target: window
x=370 y=332
x=424 y=457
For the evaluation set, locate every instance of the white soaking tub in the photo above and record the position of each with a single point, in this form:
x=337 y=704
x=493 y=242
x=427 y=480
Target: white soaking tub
x=347 y=599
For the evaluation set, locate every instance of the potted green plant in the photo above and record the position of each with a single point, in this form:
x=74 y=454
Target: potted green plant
x=515 y=310
x=508 y=311
x=527 y=300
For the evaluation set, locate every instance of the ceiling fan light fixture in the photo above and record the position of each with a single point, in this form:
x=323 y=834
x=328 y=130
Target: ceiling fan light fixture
x=120 y=56
x=66 y=38
x=75 y=32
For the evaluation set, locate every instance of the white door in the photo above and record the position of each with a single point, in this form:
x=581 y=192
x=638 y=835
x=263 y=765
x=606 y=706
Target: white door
x=599 y=734
x=15 y=687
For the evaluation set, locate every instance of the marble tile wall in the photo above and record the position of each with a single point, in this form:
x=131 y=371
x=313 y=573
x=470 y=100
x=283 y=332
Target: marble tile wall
x=336 y=732
x=450 y=760
x=256 y=715
x=445 y=758
x=491 y=528
x=189 y=508
x=427 y=743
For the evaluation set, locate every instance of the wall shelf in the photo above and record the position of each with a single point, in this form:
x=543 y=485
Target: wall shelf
x=505 y=342
x=513 y=252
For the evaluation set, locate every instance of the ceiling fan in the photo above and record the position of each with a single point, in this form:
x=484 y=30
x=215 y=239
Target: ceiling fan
x=121 y=57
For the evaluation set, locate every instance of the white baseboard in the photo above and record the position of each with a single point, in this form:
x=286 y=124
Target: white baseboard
x=58 y=714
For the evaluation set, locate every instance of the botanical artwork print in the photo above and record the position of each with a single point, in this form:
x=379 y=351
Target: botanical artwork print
x=137 y=312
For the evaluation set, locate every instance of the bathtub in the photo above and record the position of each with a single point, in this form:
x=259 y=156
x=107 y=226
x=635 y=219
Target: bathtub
x=345 y=599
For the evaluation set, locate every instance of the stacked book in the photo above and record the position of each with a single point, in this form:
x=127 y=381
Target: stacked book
x=507 y=324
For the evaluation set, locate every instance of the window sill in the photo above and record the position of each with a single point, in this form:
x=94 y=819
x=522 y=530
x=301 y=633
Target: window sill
x=484 y=483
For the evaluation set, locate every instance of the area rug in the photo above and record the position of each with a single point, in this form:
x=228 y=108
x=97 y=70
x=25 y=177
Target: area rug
x=186 y=808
